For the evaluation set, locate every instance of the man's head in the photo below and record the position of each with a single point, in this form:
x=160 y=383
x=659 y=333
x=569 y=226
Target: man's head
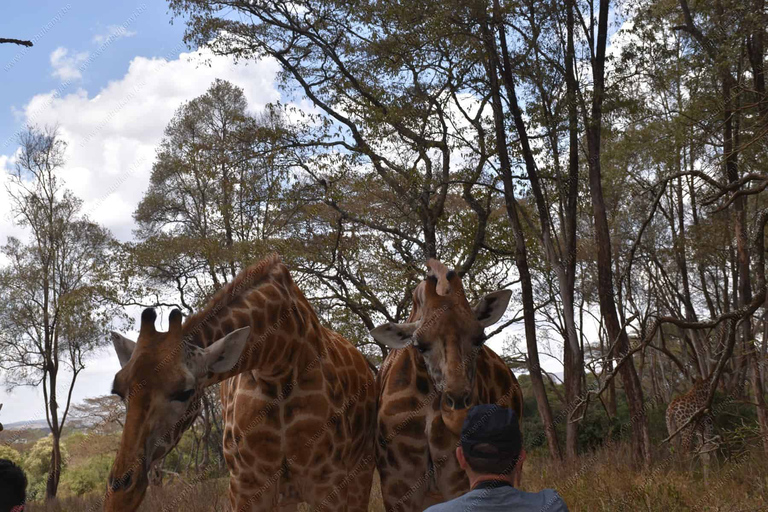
x=491 y=444
x=13 y=487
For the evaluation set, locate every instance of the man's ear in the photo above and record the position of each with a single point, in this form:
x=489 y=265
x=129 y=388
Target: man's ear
x=460 y=457
x=123 y=346
x=222 y=355
x=518 y=471
x=394 y=335
x=491 y=308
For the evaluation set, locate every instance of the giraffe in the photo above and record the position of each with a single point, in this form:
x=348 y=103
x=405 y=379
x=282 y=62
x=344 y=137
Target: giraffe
x=438 y=368
x=298 y=400
x=682 y=408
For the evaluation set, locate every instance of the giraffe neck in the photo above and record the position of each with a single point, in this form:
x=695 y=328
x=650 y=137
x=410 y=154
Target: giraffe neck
x=284 y=327
x=701 y=392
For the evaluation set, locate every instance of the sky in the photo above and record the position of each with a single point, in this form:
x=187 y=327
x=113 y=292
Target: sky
x=111 y=79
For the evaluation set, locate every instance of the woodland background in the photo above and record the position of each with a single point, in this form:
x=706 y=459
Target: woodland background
x=618 y=189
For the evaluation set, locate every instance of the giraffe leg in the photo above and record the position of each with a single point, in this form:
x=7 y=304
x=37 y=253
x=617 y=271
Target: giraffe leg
x=251 y=491
x=349 y=491
x=404 y=486
x=705 y=464
x=708 y=445
x=361 y=479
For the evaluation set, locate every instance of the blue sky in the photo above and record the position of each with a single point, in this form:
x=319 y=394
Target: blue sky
x=110 y=75
x=79 y=27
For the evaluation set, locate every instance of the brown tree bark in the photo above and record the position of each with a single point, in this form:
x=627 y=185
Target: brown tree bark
x=562 y=261
x=756 y=52
x=521 y=256
x=617 y=335
x=20 y=42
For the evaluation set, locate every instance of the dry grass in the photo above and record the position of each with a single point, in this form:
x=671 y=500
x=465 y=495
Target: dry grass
x=605 y=481
x=206 y=496
x=601 y=481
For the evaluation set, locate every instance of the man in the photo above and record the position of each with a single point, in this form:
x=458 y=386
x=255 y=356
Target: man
x=491 y=453
x=13 y=487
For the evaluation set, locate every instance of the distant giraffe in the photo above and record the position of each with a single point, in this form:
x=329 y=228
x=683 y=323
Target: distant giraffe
x=440 y=367
x=299 y=401
x=680 y=410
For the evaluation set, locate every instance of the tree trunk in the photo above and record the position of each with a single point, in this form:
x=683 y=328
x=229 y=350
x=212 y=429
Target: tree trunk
x=54 y=475
x=616 y=332
x=573 y=368
x=756 y=52
x=565 y=268
x=521 y=256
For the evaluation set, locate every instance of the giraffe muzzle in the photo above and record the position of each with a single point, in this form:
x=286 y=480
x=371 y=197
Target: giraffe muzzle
x=125 y=490
x=124 y=482
x=457 y=402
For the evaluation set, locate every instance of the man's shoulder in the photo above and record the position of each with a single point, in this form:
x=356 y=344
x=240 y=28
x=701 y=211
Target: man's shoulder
x=546 y=500
x=456 y=504
x=446 y=506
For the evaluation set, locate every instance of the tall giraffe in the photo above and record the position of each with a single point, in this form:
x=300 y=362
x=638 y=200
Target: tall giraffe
x=438 y=369
x=299 y=401
x=680 y=410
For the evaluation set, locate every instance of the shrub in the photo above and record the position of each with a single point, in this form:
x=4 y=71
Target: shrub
x=6 y=452
x=89 y=476
x=37 y=465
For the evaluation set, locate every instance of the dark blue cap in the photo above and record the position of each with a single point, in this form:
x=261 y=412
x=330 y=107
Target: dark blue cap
x=491 y=432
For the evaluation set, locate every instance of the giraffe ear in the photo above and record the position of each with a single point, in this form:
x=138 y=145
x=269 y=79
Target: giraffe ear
x=491 y=308
x=222 y=355
x=123 y=346
x=394 y=335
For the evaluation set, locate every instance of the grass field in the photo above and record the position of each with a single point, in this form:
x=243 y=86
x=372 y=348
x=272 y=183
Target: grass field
x=600 y=481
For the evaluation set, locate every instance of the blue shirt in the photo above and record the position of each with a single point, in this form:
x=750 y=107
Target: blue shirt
x=503 y=499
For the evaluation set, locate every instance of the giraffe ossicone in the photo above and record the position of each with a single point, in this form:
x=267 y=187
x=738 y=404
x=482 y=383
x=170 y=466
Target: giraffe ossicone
x=438 y=368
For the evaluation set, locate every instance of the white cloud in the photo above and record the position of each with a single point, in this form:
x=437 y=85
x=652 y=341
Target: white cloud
x=113 y=32
x=112 y=138
x=112 y=135
x=66 y=66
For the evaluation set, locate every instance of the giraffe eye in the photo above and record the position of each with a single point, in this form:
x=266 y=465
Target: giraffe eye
x=421 y=348
x=182 y=396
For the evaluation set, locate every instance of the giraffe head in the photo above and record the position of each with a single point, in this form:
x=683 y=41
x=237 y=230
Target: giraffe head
x=160 y=382
x=447 y=332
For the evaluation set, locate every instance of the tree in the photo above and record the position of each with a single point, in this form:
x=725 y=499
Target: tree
x=39 y=465
x=53 y=289
x=699 y=62
x=374 y=166
x=20 y=42
x=617 y=335
x=215 y=196
x=102 y=414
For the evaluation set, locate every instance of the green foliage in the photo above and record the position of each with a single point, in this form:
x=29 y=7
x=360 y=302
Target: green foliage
x=215 y=196
x=6 y=452
x=37 y=465
x=181 y=455
x=88 y=476
x=37 y=462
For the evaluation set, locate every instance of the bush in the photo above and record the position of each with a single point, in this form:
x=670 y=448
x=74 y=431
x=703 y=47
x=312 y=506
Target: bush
x=87 y=477
x=37 y=465
x=6 y=452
